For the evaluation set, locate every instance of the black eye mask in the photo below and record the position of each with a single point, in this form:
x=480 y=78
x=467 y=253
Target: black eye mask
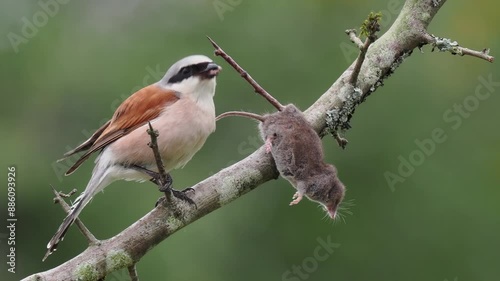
x=188 y=71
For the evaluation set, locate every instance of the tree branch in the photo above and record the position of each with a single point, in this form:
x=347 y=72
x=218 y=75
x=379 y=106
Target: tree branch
x=258 y=88
x=129 y=246
x=369 y=28
x=354 y=38
x=132 y=271
x=446 y=45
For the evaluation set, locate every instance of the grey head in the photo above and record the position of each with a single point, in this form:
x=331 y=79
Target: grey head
x=198 y=66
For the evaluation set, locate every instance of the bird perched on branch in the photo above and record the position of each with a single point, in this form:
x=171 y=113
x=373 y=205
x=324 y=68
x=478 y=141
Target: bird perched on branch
x=180 y=107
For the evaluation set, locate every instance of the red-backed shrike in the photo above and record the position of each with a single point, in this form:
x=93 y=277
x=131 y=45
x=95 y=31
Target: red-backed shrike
x=180 y=107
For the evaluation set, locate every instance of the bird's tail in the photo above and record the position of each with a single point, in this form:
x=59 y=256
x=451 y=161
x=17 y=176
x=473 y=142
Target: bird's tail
x=61 y=231
x=97 y=183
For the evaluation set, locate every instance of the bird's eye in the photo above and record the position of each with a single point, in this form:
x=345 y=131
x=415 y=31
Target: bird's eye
x=186 y=71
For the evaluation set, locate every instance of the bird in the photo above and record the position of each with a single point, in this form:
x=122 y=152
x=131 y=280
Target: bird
x=180 y=107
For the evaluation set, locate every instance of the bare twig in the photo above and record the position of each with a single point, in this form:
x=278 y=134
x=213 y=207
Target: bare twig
x=447 y=45
x=258 y=89
x=154 y=146
x=132 y=271
x=164 y=177
x=83 y=229
x=369 y=28
x=64 y=195
x=341 y=141
x=339 y=118
x=359 y=62
x=484 y=54
x=354 y=38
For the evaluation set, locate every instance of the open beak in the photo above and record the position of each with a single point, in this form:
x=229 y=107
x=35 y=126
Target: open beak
x=211 y=70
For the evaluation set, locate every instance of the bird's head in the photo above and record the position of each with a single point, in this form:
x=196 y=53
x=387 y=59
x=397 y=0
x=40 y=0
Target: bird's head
x=193 y=75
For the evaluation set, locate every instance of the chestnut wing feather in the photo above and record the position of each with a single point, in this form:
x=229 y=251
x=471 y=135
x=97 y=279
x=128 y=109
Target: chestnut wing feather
x=140 y=108
x=88 y=143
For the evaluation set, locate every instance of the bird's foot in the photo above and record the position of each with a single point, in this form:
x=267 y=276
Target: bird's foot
x=179 y=194
x=188 y=189
x=160 y=201
x=156 y=178
x=154 y=175
x=165 y=186
x=183 y=196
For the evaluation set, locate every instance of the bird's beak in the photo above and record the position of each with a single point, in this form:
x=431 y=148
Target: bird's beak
x=211 y=70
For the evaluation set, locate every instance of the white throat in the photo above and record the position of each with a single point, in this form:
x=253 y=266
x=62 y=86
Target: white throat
x=199 y=90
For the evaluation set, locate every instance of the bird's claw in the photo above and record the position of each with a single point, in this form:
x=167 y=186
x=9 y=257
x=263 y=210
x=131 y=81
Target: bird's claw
x=177 y=194
x=167 y=185
x=182 y=196
x=169 y=191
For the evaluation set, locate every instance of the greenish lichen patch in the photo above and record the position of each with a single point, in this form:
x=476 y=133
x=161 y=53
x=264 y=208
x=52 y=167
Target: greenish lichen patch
x=337 y=120
x=227 y=190
x=174 y=223
x=86 y=272
x=425 y=17
x=117 y=259
x=233 y=185
x=446 y=45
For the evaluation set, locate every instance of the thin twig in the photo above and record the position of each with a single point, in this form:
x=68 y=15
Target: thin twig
x=354 y=38
x=369 y=28
x=359 y=62
x=132 y=271
x=342 y=142
x=64 y=195
x=447 y=45
x=159 y=162
x=478 y=54
x=83 y=229
x=258 y=89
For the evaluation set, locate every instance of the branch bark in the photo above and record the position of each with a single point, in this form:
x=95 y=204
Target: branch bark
x=126 y=248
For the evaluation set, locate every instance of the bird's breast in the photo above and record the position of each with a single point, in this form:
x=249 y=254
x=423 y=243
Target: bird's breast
x=183 y=128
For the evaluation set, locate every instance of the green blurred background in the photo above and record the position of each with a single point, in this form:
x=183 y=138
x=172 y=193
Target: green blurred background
x=441 y=223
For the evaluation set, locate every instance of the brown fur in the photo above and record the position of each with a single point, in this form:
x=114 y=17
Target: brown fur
x=298 y=153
